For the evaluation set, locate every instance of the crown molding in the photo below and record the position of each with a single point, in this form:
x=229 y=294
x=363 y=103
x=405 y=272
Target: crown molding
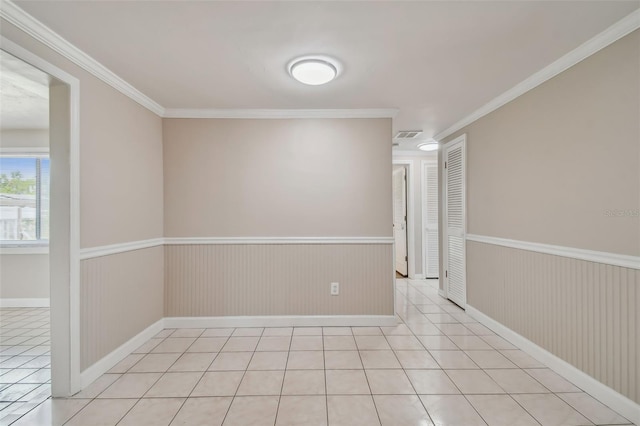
x=615 y=32
x=280 y=113
x=36 y=29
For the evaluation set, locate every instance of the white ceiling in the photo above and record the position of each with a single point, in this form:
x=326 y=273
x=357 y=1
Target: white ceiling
x=24 y=95
x=436 y=61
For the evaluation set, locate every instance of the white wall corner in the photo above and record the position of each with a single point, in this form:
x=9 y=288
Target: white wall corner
x=89 y=375
x=598 y=390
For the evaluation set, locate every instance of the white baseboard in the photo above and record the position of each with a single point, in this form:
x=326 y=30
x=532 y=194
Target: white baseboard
x=282 y=321
x=25 y=303
x=109 y=361
x=600 y=391
x=418 y=277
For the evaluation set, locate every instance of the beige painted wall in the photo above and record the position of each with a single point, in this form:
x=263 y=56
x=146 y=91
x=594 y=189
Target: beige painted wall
x=277 y=178
x=120 y=295
x=583 y=312
x=287 y=178
x=416 y=167
x=24 y=276
x=120 y=157
x=121 y=200
x=278 y=279
x=548 y=166
x=24 y=138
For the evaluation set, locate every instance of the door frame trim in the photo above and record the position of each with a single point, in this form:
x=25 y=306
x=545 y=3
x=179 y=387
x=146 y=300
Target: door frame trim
x=411 y=250
x=65 y=293
x=460 y=140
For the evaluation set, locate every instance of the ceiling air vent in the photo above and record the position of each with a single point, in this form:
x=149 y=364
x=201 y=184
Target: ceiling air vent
x=408 y=134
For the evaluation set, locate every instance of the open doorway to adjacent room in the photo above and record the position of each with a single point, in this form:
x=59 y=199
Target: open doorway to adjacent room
x=25 y=332
x=39 y=232
x=400 y=220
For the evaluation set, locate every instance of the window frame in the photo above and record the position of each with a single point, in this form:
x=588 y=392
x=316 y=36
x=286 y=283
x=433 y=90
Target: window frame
x=39 y=246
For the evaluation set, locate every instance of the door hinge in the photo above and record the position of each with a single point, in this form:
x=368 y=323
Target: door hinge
x=445 y=164
x=446 y=274
x=406 y=259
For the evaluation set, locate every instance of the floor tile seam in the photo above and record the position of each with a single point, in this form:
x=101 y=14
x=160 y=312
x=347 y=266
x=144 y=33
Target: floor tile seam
x=284 y=376
x=414 y=335
x=465 y=397
x=557 y=394
x=368 y=384
x=235 y=395
x=407 y=376
x=324 y=364
x=201 y=376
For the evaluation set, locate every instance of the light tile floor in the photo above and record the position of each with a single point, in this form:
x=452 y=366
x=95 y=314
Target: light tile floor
x=438 y=366
x=25 y=374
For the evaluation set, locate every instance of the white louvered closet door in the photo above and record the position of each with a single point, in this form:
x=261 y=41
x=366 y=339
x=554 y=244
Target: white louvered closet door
x=455 y=222
x=430 y=200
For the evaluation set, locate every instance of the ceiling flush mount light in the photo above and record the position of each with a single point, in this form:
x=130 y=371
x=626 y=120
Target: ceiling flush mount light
x=428 y=146
x=313 y=71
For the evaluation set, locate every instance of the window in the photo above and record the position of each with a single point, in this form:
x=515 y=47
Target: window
x=24 y=199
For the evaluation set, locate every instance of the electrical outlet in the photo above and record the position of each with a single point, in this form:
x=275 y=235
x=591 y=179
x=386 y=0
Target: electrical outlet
x=335 y=289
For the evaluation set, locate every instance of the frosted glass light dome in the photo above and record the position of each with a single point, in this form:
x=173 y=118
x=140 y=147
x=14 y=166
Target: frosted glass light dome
x=429 y=146
x=313 y=72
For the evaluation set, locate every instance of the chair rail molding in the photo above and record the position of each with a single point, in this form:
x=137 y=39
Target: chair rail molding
x=615 y=259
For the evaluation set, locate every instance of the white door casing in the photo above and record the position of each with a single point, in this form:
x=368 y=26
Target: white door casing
x=64 y=244
x=455 y=221
x=400 y=218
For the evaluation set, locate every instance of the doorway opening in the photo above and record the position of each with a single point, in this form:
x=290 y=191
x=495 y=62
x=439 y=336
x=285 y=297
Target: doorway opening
x=400 y=220
x=39 y=198
x=25 y=332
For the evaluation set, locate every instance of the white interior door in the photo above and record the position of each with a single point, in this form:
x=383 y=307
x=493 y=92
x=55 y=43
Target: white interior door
x=455 y=221
x=400 y=218
x=430 y=208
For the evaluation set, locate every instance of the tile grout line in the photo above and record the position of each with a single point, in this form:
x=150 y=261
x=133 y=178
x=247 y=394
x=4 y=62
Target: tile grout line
x=481 y=369
x=284 y=375
x=518 y=367
x=235 y=395
x=364 y=371
x=324 y=372
x=40 y=315
x=111 y=384
x=201 y=376
x=405 y=373
x=445 y=372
